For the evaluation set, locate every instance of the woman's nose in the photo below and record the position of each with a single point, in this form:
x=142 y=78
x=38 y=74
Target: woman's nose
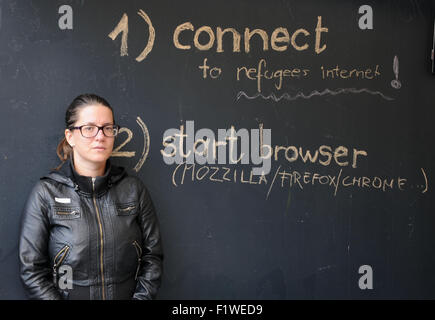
x=100 y=135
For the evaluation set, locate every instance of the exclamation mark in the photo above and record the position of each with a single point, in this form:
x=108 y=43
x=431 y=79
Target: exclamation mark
x=396 y=83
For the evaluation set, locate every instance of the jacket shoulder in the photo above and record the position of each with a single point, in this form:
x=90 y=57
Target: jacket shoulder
x=40 y=188
x=129 y=189
x=38 y=198
x=133 y=180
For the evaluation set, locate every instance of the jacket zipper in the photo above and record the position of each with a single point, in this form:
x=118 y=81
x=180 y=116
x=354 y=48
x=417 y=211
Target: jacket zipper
x=67 y=213
x=101 y=239
x=56 y=263
x=139 y=255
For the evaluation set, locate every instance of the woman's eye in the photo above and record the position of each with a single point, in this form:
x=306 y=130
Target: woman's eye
x=88 y=129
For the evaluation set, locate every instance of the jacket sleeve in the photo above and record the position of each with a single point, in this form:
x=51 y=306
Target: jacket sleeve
x=150 y=273
x=35 y=271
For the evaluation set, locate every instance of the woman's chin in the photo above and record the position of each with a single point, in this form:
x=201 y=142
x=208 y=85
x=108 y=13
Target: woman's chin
x=99 y=157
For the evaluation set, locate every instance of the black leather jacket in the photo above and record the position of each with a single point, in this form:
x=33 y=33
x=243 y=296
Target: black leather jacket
x=106 y=231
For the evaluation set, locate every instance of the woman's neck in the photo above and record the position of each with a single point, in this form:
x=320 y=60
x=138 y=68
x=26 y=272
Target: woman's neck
x=89 y=169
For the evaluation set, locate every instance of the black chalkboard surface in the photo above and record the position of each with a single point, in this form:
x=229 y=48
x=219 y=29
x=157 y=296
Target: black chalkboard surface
x=344 y=88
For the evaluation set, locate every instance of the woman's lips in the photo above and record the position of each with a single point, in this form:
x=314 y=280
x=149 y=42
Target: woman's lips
x=99 y=148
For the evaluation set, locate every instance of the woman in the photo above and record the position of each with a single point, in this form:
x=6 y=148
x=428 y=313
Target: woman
x=89 y=230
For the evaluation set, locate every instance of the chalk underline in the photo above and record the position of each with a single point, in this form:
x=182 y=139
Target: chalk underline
x=301 y=95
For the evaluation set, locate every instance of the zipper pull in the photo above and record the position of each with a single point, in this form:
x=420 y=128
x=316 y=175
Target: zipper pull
x=139 y=257
x=138 y=268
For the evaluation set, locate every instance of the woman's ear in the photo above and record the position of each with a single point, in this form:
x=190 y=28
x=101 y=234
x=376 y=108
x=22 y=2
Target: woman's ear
x=69 y=137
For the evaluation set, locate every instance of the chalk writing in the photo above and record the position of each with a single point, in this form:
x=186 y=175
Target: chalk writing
x=128 y=154
x=342 y=73
x=279 y=39
x=301 y=95
x=261 y=73
x=122 y=26
x=117 y=152
x=288 y=178
x=396 y=83
x=175 y=140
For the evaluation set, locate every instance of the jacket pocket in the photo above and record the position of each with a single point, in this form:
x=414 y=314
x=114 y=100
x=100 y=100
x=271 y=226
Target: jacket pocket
x=57 y=262
x=65 y=212
x=139 y=257
x=126 y=209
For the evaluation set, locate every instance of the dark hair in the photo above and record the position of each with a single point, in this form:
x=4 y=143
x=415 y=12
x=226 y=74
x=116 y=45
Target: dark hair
x=64 y=150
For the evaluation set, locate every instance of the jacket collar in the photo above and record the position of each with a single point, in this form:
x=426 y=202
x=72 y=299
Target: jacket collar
x=84 y=185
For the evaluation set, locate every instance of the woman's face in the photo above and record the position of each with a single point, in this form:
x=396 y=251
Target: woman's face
x=94 y=150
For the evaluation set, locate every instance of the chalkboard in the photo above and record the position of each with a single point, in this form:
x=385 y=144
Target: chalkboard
x=343 y=89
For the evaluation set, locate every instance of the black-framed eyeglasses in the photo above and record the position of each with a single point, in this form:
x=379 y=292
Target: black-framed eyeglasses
x=90 y=131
